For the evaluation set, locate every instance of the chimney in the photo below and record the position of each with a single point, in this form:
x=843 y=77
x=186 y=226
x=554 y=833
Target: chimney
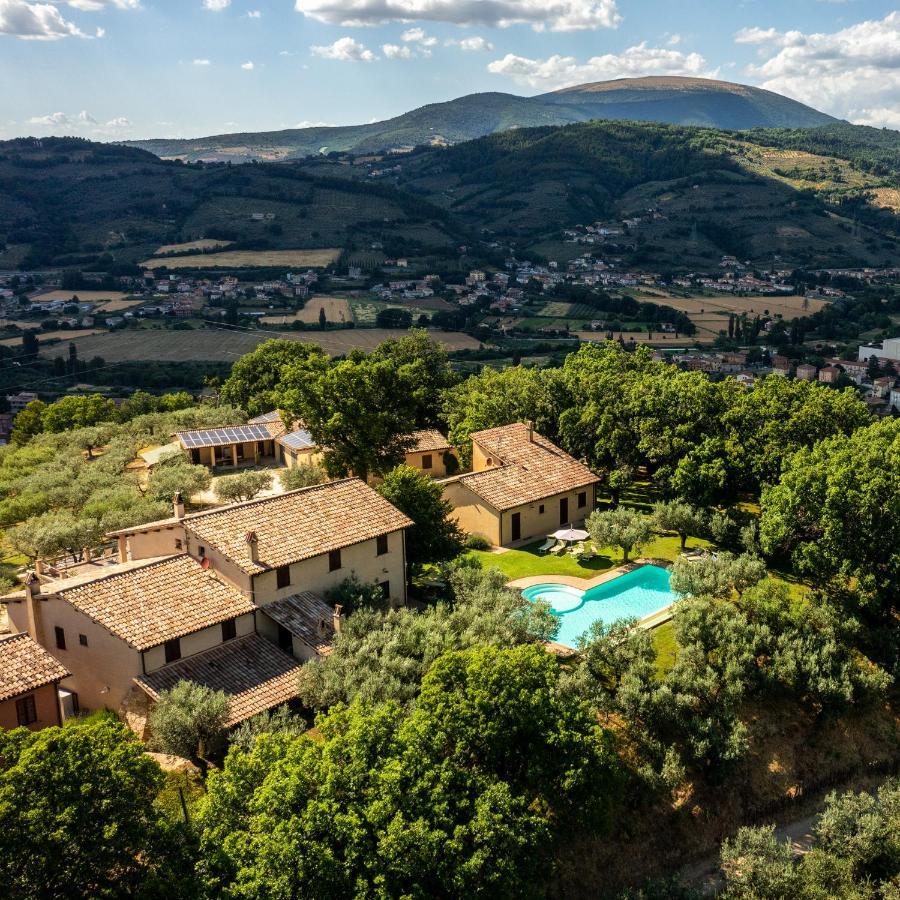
x=178 y=506
x=529 y=431
x=32 y=591
x=336 y=618
x=252 y=546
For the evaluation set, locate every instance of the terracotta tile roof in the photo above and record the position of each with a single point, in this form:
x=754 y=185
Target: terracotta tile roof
x=150 y=604
x=25 y=666
x=298 y=524
x=306 y=616
x=251 y=670
x=428 y=441
x=526 y=470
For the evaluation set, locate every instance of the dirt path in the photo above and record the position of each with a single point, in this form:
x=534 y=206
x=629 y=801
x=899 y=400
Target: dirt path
x=706 y=877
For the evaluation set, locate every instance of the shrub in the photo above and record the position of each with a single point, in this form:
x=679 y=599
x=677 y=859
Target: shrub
x=189 y=720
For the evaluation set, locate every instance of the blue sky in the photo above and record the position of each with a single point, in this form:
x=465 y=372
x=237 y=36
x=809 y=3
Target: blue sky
x=112 y=69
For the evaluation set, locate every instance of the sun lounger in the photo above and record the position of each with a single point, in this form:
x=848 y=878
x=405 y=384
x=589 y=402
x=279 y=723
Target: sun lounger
x=547 y=545
x=559 y=549
x=587 y=555
x=577 y=550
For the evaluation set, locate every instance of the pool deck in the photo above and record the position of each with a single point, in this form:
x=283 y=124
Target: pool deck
x=585 y=584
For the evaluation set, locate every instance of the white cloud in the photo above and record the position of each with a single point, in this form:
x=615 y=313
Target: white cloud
x=555 y=15
x=395 y=51
x=307 y=124
x=82 y=121
x=201 y=62
x=248 y=66
x=254 y=14
x=637 y=61
x=97 y=5
x=418 y=36
x=216 y=5
x=57 y=118
x=345 y=49
x=35 y=21
x=852 y=73
x=470 y=44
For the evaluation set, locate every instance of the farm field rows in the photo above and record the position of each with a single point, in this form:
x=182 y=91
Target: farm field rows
x=84 y=296
x=64 y=336
x=790 y=308
x=337 y=309
x=245 y=259
x=222 y=344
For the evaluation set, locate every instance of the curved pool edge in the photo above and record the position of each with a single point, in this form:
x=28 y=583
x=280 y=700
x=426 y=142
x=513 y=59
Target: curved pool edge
x=585 y=584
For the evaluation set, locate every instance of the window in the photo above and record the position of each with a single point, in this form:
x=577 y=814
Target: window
x=541 y=509
x=229 y=630
x=385 y=589
x=381 y=545
x=426 y=460
x=26 y=711
x=177 y=543
x=172 y=649
x=201 y=551
x=60 y=638
x=334 y=560
x=582 y=500
x=285 y=639
x=283 y=576
x=82 y=639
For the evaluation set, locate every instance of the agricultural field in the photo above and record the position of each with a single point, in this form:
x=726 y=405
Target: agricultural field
x=247 y=259
x=226 y=345
x=64 y=336
x=789 y=308
x=83 y=296
x=561 y=310
x=365 y=311
x=337 y=309
x=202 y=244
x=660 y=338
x=114 y=306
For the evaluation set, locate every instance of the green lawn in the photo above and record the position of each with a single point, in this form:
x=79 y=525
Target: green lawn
x=526 y=561
x=665 y=646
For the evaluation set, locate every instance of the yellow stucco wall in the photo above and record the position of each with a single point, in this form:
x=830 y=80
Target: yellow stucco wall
x=438 y=466
x=160 y=541
x=46 y=705
x=473 y=514
x=360 y=560
x=101 y=671
x=197 y=642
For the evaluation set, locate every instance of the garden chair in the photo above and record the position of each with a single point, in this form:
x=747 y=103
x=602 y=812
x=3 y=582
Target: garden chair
x=547 y=545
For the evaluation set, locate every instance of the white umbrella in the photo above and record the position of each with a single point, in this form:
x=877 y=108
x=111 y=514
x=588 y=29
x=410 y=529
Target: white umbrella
x=570 y=534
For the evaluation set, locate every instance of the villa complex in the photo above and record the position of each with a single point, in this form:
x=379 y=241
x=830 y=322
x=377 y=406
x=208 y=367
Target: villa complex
x=231 y=598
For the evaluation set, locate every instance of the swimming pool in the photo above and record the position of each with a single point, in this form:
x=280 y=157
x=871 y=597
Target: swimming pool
x=635 y=594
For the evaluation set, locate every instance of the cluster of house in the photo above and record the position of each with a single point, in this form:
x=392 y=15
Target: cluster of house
x=881 y=392
x=236 y=597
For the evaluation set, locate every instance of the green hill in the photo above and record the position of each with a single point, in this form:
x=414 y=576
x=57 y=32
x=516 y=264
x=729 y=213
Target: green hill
x=679 y=101
x=815 y=197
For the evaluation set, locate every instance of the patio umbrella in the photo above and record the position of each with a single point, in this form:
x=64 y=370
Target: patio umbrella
x=571 y=534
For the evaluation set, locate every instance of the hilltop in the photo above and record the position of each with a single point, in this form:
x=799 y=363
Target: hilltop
x=670 y=100
x=803 y=197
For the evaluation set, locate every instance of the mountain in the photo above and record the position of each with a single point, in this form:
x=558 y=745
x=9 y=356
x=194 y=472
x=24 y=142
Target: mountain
x=678 y=101
x=687 y=101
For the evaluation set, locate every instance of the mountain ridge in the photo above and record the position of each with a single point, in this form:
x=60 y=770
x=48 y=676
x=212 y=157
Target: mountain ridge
x=664 y=99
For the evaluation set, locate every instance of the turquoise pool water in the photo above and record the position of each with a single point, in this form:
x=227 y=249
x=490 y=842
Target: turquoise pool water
x=633 y=595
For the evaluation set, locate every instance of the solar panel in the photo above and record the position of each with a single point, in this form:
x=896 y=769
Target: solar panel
x=298 y=440
x=218 y=437
x=265 y=418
